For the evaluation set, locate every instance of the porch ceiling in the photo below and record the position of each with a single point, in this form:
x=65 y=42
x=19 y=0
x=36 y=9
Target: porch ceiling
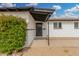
x=41 y=14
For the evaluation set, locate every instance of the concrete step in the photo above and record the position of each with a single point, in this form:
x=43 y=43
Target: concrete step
x=40 y=38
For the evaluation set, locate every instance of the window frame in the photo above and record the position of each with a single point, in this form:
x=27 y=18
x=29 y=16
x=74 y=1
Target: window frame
x=76 y=25
x=57 y=25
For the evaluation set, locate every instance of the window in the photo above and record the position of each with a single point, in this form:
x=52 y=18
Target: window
x=76 y=25
x=57 y=25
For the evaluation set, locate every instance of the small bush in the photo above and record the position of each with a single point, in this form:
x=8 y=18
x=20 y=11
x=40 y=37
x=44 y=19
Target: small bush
x=12 y=33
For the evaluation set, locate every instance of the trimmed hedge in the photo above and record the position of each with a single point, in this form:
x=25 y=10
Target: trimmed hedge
x=12 y=33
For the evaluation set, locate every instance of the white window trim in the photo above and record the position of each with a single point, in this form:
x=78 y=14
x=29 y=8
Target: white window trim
x=77 y=25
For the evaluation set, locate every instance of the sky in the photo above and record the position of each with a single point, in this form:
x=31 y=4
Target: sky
x=61 y=9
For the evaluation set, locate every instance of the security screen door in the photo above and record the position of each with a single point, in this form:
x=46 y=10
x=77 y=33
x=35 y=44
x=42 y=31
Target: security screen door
x=38 y=29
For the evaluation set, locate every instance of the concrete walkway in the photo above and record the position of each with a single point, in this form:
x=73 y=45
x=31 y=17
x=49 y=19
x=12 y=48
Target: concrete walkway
x=40 y=43
x=49 y=51
x=56 y=42
x=56 y=48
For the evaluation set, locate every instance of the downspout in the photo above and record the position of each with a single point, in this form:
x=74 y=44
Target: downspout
x=48 y=34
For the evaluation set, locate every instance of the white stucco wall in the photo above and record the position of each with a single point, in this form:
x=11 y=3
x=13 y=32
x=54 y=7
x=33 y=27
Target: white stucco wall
x=66 y=31
x=31 y=25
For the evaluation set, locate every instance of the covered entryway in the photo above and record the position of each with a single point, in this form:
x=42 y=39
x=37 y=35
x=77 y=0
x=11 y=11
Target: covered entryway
x=41 y=17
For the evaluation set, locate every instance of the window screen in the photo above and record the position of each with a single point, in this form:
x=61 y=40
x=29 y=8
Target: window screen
x=76 y=25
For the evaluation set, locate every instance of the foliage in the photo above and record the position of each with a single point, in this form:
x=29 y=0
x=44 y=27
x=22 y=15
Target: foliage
x=12 y=33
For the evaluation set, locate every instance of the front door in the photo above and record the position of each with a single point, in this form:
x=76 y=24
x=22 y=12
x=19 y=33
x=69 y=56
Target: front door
x=38 y=29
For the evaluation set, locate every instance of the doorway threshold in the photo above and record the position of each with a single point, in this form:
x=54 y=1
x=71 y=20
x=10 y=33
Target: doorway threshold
x=40 y=38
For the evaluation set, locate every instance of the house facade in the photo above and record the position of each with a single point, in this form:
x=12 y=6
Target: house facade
x=40 y=26
x=36 y=19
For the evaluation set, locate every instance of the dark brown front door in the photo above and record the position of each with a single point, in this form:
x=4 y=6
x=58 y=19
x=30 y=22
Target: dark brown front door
x=38 y=29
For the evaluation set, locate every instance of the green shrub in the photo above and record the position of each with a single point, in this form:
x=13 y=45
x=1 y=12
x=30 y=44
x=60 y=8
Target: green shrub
x=12 y=33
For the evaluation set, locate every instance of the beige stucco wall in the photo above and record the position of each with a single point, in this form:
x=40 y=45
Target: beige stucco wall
x=45 y=29
x=31 y=25
x=31 y=32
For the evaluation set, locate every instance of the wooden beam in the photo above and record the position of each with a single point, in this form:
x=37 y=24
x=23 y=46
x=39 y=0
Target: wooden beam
x=45 y=9
x=37 y=12
x=17 y=10
x=47 y=17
